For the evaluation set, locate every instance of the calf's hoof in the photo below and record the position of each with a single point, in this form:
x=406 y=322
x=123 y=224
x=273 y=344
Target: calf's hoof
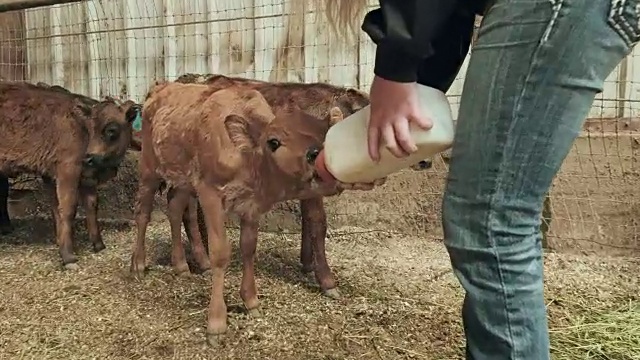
x=182 y=269
x=215 y=340
x=183 y=273
x=255 y=313
x=332 y=293
x=69 y=260
x=98 y=246
x=205 y=267
x=136 y=269
x=216 y=331
x=72 y=266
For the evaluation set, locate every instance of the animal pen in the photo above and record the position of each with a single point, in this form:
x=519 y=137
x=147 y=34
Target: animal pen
x=401 y=299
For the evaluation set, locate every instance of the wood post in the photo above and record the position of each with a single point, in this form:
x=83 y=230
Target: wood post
x=11 y=5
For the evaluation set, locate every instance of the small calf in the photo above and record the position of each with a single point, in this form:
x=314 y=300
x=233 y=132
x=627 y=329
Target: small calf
x=73 y=142
x=316 y=99
x=231 y=150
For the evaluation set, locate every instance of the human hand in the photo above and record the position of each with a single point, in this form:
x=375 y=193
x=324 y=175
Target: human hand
x=393 y=106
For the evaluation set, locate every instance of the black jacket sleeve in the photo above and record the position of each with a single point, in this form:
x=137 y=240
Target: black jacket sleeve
x=449 y=51
x=407 y=32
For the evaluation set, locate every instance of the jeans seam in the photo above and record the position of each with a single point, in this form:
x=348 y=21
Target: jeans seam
x=616 y=19
x=534 y=65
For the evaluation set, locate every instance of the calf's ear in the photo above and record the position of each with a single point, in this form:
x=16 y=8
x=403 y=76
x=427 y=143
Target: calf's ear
x=239 y=132
x=133 y=111
x=111 y=98
x=335 y=116
x=81 y=111
x=127 y=104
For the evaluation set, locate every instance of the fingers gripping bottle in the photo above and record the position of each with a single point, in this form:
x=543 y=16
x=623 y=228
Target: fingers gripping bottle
x=345 y=155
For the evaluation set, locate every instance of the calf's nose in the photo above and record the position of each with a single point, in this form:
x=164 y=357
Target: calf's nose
x=425 y=164
x=92 y=160
x=312 y=154
x=88 y=161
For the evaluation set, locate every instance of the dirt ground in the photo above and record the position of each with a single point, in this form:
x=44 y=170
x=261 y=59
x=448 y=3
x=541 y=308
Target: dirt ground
x=400 y=299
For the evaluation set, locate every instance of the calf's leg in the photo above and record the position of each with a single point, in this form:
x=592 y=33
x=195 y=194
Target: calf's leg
x=148 y=183
x=90 y=199
x=190 y=221
x=306 y=248
x=220 y=255
x=314 y=233
x=248 y=243
x=177 y=201
x=5 y=222
x=50 y=188
x=67 y=194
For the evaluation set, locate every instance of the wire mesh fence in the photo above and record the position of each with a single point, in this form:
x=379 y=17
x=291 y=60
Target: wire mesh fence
x=119 y=48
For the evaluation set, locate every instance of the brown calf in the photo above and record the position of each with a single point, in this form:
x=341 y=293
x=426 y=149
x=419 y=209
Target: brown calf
x=231 y=150
x=73 y=142
x=316 y=99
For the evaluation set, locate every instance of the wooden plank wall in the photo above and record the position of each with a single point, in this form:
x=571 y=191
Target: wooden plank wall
x=120 y=47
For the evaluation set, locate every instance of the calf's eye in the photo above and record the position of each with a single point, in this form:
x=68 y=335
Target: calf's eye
x=273 y=144
x=111 y=133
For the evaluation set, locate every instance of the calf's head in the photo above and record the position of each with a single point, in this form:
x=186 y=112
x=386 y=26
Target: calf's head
x=285 y=144
x=109 y=132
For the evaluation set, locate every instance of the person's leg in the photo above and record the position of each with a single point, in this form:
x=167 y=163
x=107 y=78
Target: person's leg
x=532 y=78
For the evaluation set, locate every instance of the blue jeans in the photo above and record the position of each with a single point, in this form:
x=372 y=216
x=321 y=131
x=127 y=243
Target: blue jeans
x=532 y=79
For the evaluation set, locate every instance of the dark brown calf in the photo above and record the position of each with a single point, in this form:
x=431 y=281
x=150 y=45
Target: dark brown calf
x=135 y=142
x=73 y=142
x=231 y=150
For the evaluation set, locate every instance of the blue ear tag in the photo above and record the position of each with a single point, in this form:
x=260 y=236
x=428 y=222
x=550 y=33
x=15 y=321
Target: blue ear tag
x=137 y=123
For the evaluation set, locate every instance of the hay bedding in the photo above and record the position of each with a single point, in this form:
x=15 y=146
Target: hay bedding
x=401 y=302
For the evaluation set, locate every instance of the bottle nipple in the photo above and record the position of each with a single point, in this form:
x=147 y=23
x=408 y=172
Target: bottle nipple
x=321 y=169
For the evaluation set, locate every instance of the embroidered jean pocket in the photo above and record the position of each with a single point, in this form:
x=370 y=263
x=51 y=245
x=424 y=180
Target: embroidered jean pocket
x=624 y=18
